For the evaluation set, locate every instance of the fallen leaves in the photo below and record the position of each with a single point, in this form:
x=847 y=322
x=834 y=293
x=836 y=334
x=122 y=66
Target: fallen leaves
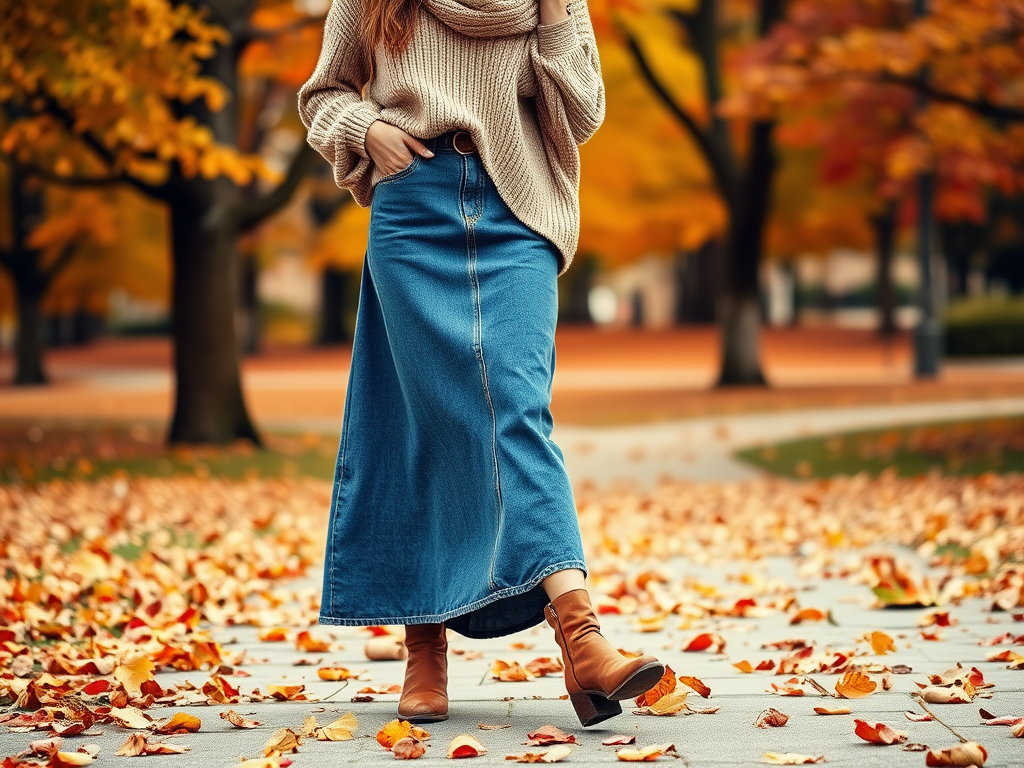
x=697 y=685
x=137 y=744
x=706 y=641
x=771 y=718
x=509 y=672
x=879 y=733
x=391 y=732
x=179 y=722
x=552 y=755
x=647 y=754
x=338 y=730
x=832 y=710
x=465 y=745
x=967 y=753
x=855 y=685
x=238 y=721
x=790 y=758
x=409 y=748
x=881 y=643
x=283 y=741
x=549 y=734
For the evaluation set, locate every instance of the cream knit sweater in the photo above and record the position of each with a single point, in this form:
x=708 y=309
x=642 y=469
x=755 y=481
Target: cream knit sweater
x=527 y=93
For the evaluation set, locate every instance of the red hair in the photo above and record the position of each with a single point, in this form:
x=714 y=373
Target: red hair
x=387 y=23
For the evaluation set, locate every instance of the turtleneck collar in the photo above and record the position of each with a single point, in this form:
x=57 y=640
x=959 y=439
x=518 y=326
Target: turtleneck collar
x=486 y=18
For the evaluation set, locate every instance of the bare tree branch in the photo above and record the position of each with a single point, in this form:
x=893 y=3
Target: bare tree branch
x=253 y=211
x=719 y=168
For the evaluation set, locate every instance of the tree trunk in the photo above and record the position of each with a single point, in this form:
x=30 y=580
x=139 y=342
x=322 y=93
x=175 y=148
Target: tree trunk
x=29 y=344
x=334 y=288
x=697 y=278
x=740 y=300
x=885 y=293
x=208 y=404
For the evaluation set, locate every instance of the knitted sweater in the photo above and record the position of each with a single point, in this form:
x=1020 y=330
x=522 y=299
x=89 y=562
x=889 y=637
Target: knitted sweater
x=527 y=93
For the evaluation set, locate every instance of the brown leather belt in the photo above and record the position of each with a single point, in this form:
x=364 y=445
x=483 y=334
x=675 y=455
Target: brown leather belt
x=461 y=141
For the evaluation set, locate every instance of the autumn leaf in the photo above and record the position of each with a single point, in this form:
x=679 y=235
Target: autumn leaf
x=771 y=718
x=744 y=666
x=465 y=745
x=287 y=692
x=665 y=685
x=305 y=641
x=335 y=673
x=399 y=729
x=613 y=741
x=696 y=684
x=498 y=727
x=706 y=641
x=137 y=745
x=509 y=673
x=807 y=614
x=967 y=753
x=283 y=741
x=647 y=754
x=338 y=730
x=790 y=758
x=131 y=717
x=855 y=685
x=274 y=635
x=881 y=643
x=669 y=704
x=238 y=721
x=544 y=665
x=180 y=722
x=552 y=755
x=879 y=733
x=549 y=734
x=409 y=748
x=832 y=710
x=133 y=672
x=70 y=759
x=948 y=694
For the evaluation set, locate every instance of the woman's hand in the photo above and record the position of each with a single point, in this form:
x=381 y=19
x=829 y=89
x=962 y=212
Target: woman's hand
x=390 y=148
x=553 y=11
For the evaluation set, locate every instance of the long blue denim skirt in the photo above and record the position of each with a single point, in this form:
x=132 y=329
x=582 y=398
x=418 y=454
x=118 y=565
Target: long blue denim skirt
x=451 y=502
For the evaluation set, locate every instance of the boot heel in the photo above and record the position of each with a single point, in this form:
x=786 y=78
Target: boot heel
x=593 y=709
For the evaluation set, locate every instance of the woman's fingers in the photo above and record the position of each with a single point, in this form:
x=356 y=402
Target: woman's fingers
x=417 y=146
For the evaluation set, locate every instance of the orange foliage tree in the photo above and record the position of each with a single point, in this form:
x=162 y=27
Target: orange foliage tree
x=847 y=78
x=146 y=93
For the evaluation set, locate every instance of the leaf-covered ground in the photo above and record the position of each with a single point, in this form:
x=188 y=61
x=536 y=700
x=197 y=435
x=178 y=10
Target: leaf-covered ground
x=118 y=592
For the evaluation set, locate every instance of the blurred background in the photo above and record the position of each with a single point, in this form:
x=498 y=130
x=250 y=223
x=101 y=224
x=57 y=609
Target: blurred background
x=802 y=204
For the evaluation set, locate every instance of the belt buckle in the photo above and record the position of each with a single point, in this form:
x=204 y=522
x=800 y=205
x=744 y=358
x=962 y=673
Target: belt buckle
x=455 y=143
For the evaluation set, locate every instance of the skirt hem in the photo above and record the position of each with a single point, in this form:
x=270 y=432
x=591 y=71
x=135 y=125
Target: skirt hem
x=437 y=618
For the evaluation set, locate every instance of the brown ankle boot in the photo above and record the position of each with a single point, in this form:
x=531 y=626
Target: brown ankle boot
x=425 y=691
x=597 y=676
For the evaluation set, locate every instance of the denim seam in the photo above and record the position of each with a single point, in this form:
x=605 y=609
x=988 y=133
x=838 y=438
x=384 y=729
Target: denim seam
x=428 y=618
x=339 y=478
x=478 y=347
x=400 y=174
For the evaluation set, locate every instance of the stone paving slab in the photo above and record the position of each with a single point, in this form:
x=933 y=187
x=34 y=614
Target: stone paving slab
x=726 y=738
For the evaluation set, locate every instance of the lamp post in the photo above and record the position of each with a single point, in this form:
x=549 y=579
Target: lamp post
x=928 y=333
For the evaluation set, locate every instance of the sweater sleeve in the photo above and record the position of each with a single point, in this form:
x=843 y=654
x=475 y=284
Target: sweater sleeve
x=568 y=72
x=330 y=102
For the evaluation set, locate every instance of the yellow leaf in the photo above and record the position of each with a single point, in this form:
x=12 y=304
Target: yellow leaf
x=134 y=672
x=855 y=685
x=881 y=643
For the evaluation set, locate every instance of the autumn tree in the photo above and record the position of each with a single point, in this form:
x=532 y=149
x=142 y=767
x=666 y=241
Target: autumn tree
x=848 y=77
x=740 y=159
x=146 y=93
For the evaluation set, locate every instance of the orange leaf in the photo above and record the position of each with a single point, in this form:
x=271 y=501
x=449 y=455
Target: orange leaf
x=881 y=643
x=275 y=635
x=771 y=718
x=832 y=710
x=855 y=685
x=667 y=684
x=399 y=729
x=549 y=734
x=696 y=684
x=705 y=641
x=968 y=753
x=305 y=641
x=879 y=733
x=744 y=666
x=807 y=614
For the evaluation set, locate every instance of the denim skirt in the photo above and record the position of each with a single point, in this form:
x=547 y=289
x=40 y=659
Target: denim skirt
x=451 y=502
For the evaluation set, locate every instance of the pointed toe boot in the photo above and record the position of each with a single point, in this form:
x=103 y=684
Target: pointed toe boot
x=424 y=696
x=597 y=676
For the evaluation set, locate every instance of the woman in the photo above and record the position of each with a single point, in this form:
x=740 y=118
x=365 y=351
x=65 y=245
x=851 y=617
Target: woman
x=457 y=122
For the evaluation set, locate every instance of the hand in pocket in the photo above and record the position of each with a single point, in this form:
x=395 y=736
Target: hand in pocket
x=390 y=148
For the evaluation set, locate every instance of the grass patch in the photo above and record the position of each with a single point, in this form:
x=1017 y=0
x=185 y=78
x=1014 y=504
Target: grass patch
x=954 y=448
x=32 y=453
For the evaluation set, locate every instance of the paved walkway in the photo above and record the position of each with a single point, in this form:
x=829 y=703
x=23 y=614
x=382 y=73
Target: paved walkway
x=725 y=738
